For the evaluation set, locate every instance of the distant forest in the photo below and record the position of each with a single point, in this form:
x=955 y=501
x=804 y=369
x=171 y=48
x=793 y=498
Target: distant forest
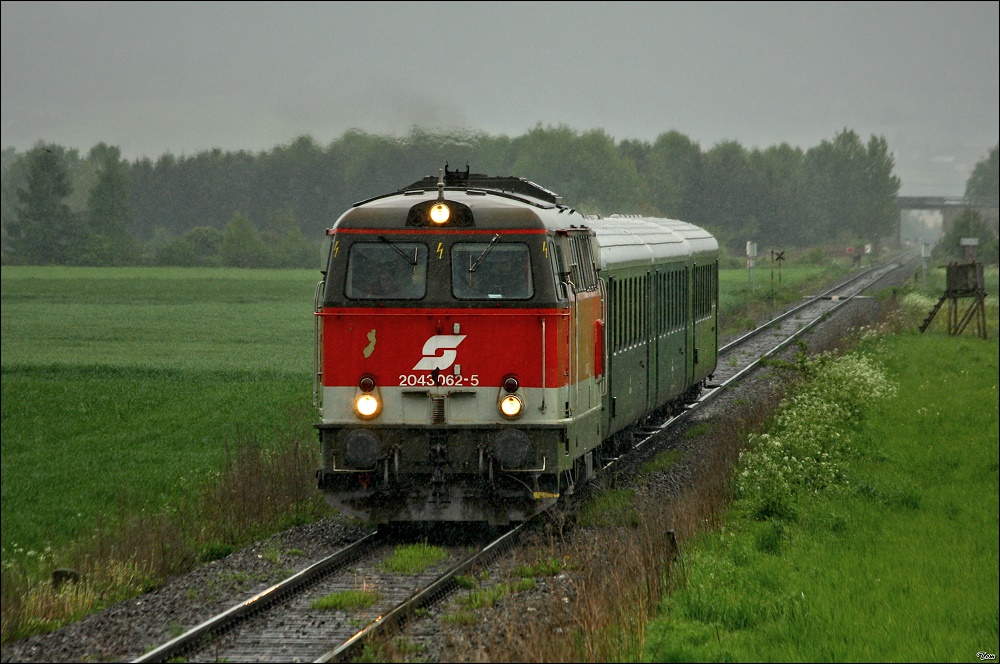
x=270 y=209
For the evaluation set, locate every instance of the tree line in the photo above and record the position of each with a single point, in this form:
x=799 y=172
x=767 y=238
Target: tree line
x=270 y=209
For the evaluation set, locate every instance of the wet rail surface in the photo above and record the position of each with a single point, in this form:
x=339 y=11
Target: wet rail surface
x=745 y=353
x=282 y=624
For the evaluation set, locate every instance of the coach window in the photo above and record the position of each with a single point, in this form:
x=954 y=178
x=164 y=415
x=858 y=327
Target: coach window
x=491 y=270
x=386 y=270
x=704 y=288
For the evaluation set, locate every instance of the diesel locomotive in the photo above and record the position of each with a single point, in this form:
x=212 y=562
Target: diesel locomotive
x=481 y=348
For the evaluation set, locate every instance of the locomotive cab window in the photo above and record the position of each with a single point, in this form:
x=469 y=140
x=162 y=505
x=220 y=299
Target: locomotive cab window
x=582 y=270
x=386 y=270
x=491 y=270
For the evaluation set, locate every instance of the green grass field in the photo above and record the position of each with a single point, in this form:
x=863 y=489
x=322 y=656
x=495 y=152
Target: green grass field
x=121 y=387
x=159 y=318
x=897 y=562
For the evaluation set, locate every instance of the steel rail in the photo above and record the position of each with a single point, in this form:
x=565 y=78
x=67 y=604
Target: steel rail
x=192 y=638
x=384 y=624
x=395 y=617
x=807 y=326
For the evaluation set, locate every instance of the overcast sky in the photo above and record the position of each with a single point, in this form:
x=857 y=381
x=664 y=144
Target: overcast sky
x=154 y=77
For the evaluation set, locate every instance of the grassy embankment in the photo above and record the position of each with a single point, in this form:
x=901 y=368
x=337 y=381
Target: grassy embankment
x=865 y=526
x=141 y=410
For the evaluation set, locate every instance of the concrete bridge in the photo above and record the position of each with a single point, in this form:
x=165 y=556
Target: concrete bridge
x=951 y=208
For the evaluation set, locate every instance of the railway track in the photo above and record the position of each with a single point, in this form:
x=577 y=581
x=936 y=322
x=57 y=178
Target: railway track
x=283 y=624
x=744 y=355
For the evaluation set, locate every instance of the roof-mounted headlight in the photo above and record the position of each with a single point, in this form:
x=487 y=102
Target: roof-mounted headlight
x=440 y=213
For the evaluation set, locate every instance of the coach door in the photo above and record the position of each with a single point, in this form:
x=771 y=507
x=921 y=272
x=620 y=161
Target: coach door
x=649 y=336
x=689 y=327
x=629 y=352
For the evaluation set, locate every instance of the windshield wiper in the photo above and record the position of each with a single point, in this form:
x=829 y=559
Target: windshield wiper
x=489 y=247
x=411 y=261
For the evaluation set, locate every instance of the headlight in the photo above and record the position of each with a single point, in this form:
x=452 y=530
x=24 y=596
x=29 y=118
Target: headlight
x=440 y=213
x=511 y=406
x=366 y=406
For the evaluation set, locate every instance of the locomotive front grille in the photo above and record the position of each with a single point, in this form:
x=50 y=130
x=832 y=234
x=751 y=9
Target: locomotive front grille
x=437 y=409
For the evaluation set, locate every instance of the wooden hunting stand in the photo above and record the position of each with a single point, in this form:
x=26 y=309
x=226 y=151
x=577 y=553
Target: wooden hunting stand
x=964 y=281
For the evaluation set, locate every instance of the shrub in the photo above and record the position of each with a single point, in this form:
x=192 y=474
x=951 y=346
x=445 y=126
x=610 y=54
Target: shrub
x=805 y=448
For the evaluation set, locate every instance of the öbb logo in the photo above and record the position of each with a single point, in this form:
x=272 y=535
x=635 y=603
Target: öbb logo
x=439 y=352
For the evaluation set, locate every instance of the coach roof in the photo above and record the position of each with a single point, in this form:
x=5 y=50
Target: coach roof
x=625 y=240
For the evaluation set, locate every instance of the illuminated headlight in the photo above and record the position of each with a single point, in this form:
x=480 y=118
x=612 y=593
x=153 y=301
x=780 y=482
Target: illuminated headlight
x=511 y=406
x=440 y=213
x=366 y=406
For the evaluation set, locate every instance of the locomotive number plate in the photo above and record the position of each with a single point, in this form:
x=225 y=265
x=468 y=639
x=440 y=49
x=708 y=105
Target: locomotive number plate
x=447 y=380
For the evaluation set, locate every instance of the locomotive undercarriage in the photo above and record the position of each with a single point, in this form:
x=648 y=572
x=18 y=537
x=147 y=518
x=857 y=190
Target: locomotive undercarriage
x=440 y=474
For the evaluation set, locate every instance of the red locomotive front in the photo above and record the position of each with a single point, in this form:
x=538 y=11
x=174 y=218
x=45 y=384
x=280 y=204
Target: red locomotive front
x=457 y=359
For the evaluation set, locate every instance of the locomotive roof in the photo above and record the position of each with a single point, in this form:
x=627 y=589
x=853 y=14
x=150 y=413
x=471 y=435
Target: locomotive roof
x=491 y=209
x=498 y=183
x=515 y=203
